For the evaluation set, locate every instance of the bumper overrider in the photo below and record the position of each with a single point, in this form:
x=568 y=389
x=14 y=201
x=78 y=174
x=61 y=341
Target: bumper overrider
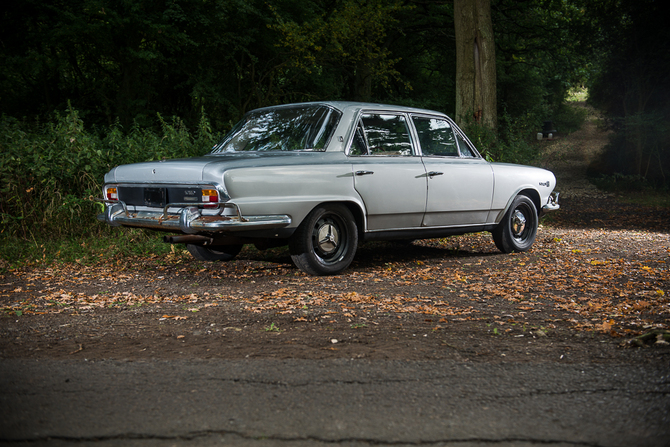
x=189 y=218
x=552 y=203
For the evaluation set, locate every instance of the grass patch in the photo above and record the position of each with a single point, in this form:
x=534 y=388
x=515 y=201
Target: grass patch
x=577 y=95
x=108 y=244
x=659 y=199
x=633 y=189
x=569 y=118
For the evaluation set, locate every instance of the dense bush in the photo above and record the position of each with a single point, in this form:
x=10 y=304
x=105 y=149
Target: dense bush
x=50 y=173
x=637 y=156
x=632 y=87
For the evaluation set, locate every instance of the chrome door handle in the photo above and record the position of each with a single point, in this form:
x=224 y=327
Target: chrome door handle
x=364 y=172
x=434 y=173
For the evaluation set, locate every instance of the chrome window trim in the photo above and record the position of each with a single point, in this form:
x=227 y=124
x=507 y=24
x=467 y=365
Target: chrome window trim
x=408 y=124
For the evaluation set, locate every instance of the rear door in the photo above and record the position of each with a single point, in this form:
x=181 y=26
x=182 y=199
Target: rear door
x=388 y=173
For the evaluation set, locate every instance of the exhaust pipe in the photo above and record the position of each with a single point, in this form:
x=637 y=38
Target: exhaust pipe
x=188 y=239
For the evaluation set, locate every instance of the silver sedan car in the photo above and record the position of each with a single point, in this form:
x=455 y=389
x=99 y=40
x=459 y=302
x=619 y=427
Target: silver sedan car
x=324 y=176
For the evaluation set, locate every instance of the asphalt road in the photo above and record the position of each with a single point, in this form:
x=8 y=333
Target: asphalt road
x=334 y=402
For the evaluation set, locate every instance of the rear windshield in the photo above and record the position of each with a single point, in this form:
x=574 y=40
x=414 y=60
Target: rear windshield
x=299 y=128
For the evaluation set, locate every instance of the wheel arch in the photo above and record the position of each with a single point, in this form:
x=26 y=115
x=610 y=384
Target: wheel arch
x=533 y=195
x=354 y=207
x=529 y=192
x=359 y=215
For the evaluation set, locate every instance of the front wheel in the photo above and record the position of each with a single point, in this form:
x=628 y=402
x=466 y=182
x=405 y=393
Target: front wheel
x=325 y=242
x=214 y=253
x=517 y=230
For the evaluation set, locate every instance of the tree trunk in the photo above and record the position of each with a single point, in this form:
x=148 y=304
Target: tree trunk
x=363 y=81
x=475 y=63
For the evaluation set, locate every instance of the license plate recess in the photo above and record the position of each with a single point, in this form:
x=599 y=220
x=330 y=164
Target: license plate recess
x=154 y=197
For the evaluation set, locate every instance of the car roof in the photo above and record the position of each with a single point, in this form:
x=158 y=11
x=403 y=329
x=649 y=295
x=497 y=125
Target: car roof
x=353 y=106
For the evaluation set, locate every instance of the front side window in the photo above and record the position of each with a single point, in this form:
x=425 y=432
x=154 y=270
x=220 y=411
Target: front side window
x=303 y=128
x=436 y=136
x=381 y=134
x=465 y=148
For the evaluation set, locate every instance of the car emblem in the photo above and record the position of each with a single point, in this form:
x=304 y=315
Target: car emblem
x=545 y=183
x=153 y=171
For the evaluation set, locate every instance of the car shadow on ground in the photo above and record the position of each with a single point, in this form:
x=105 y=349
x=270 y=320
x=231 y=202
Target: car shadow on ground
x=378 y=254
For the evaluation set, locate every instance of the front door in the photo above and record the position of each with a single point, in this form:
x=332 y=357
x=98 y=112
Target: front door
x=460 y=183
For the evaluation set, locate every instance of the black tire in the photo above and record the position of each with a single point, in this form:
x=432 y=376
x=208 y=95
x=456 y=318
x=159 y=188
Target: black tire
x=326 y=241
x=517 y=230
x=214 y=253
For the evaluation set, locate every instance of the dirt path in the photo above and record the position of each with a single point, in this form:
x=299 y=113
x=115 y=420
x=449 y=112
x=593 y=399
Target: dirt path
x=597 y=276
x=568 y=157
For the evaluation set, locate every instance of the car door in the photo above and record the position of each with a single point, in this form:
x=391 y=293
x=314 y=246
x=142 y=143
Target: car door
x=460 y=183
x=388 y=173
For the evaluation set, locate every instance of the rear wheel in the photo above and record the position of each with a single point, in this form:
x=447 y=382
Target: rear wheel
x=517 y=230
x=325 y=242
x=214 y=253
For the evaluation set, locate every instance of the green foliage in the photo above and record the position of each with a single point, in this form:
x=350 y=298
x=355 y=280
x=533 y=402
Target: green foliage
x=123 y=61
x=272 y=328
x=514 y=142
x=633 y=88
x=50 y=173
x=128 y=60
x=568 y=118
x=618 y=182
x=637 y=156
x=542 y=52
x=543 y=49
x=349 y=38
x=516 y=139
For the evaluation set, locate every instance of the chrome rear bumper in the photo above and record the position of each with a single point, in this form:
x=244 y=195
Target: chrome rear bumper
x=189 y=219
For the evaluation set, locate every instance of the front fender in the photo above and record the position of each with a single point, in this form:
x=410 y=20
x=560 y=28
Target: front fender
x=536 y=183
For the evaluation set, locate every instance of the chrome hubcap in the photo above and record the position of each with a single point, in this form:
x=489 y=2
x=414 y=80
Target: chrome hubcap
x=518 y=223
x=328 y=238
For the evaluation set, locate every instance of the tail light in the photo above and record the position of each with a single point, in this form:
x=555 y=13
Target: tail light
x=210 y=196
x=111 y=193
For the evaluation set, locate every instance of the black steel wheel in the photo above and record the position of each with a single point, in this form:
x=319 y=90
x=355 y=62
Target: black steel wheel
x=326 y=241
x=214 y=253
x=517 y=230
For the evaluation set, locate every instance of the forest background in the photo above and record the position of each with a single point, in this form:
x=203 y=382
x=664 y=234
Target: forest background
x=89 y=84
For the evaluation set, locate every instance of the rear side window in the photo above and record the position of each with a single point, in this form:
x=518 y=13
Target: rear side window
x=381 y=134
